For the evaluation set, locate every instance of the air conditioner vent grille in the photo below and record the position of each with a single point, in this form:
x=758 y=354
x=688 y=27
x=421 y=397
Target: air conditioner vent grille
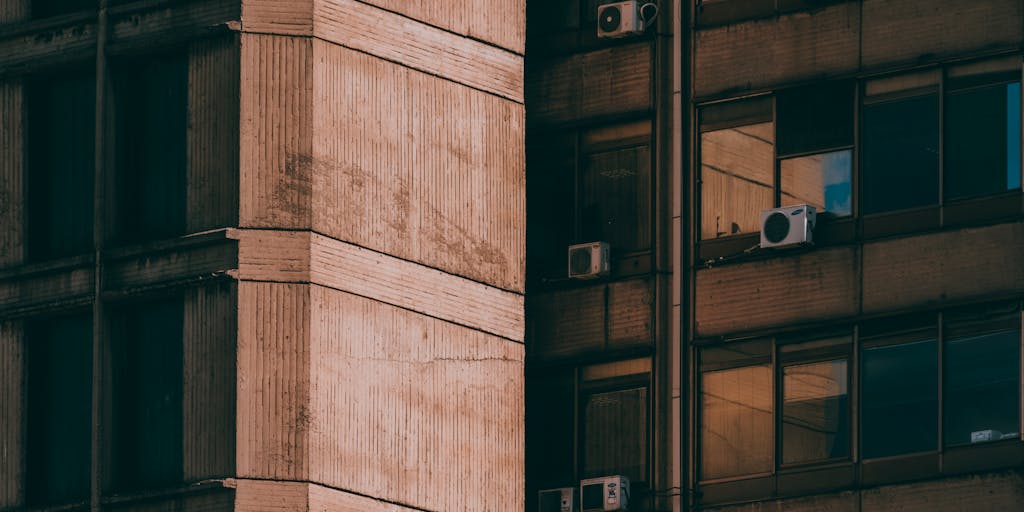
x=776 y=227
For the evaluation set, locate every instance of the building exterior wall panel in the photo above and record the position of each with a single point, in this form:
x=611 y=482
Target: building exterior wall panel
x=953 y=265
x=210 y=337
x=498 y=22
x=606 y=82
x=285 y=17
x=792 y=47
x=435 y=51
x=276 y=131
x=273 y=381
x=990 y=492
x=419 y=167
x=271 y=496
x=414 y=410
x=936 y=29
x=213 y=107
x=12 y=435
x=772 y=293
x=12 y=187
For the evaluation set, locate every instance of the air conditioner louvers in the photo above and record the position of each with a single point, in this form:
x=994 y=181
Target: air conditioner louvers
x=787 y=226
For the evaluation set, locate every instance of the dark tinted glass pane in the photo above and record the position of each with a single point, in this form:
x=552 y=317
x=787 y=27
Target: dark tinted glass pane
x=152 y=118
x=982 y=388
x=815 y=412
x=737 y=179
x=615 y=434
x=47 y=8
x=59 y=410
x=901 y=155
x=550 y=434
x=147 y=395
x=815 y=118
x=719 y=12
x=982 y=141
x=61 y=144
x=900 y=399
x=822 y=181
x=615 y=198
x=736 y=435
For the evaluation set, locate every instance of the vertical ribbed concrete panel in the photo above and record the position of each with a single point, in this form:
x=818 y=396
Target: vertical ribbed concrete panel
x=499 y=22
x=213 y=106
x=12 y=378
x=14 y=10
x=412 y=409
x=418 y=167
x=210 y=335
x=12 y=144
x=276 y=126
x=273 y=381
x=265 y=496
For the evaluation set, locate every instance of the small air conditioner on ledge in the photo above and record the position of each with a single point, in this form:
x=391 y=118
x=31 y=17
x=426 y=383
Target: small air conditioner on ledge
x=787 y=226
x=604 y=494
x=588 y=261
x=562 y=499
x=619 y=19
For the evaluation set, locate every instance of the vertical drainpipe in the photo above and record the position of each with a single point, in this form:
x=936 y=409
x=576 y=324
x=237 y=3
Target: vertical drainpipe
x=98 y=235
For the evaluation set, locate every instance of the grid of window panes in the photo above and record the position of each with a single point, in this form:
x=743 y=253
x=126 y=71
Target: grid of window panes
x=926 y=140
x=946 y=381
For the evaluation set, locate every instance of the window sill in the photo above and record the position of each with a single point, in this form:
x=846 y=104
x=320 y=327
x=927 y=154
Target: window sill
x=168 y=492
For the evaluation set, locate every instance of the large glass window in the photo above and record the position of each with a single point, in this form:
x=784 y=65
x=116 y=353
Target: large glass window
x=61 y=141
x=615 y=434
x=59 y=410
x=614 y=192
x=737 y=167
x=147 y=384
x=900 y=399
x=982 y=385
x=982 y=140
x=736 y=422
x=815 y=411
x=152 y=119
x=901 y=154
x=47 y=8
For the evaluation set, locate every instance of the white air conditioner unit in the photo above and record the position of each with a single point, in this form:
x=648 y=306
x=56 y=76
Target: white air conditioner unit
x=789 y=225
x=604 y=493
x=619 y=19
x=587 y=261
x=562 y=499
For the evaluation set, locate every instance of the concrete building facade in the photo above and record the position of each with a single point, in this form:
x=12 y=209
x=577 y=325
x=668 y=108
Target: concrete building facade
x=261 y=255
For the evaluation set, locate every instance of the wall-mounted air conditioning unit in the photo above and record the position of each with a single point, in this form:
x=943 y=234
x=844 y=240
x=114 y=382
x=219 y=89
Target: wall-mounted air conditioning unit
x=786 y=226
x=619 y=19
x=562 y=499
x=604 y=494
x=588 y=261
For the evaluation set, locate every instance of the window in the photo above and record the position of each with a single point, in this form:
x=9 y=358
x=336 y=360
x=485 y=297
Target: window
x=982 y=135
x=815 y=412
x=935 y=393
x=615 y=434
x=982 y=381
x=61 y=142
x=736 y=405
x=151 y=98
x=900 y=398
x=737 y=152
x=147 y=406
x=590 y=186
x=711 y=13
x=59 y=410
x=901 y=144
x=757 y=154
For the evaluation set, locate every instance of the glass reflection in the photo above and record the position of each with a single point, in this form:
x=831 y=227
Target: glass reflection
x=822 y=181
x=982 y=388
x=815 y=412
x=982 y=141
x=901 y=155
x=736 y=422
x=737 y=179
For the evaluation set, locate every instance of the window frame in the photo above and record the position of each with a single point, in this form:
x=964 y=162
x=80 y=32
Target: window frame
x=856 y=471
